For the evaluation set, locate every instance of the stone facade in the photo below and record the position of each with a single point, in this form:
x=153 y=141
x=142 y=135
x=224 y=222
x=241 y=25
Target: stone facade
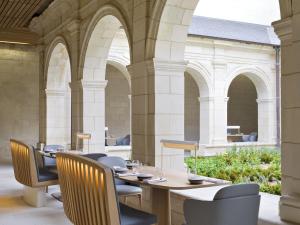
x=245 y=86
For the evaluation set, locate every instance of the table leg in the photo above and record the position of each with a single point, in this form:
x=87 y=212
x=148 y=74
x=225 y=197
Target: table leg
x=161 y=205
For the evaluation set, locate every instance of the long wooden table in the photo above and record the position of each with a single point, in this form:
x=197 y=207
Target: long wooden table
x=160 y=191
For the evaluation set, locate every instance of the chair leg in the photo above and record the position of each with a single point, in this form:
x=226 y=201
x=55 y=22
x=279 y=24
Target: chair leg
x=47 y=189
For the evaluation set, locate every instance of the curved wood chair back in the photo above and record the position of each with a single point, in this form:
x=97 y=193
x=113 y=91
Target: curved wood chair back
x=23 y=163
x=88 y=191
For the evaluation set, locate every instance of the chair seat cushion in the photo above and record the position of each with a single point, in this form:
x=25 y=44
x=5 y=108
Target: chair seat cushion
x=46 y=175
x=124 y=189
x=131 y=216
x=119 y=182
x=49 y=161
x=94 y=156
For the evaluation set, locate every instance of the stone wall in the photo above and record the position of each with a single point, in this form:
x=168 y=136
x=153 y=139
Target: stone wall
x=117 y=103
x=242 y=105
x=19 y=91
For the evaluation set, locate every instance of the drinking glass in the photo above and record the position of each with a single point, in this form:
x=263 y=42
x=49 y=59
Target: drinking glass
x=135 y=166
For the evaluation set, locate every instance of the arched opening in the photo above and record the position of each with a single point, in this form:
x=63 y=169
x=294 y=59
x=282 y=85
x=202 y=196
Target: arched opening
x=101 y=44
x=117 y=107
x=197 y=104
x=58 y=98
x=118 y=97
x=191 y=109
x=242 y=111
x=250 y=107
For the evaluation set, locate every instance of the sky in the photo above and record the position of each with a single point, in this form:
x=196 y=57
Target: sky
x=251 y=11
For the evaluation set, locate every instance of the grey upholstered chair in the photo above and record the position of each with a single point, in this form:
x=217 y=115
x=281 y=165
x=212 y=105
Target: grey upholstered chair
x=123 y=189
x=123 y=140
x=51 y=162
x=232 y=205
x=252 y=137
x=94 y=156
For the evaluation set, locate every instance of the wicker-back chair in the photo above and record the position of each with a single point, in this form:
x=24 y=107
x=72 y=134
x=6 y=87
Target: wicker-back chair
x=89 y=194
x=88 y=191
x=26 y=170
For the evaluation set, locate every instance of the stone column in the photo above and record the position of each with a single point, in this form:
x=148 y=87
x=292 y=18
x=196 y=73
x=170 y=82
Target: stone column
x=290 y=108
x=93 y=93
x=206 y=115
x=220 y=101
x=88 y=98
x=56 y=117
x=220 y=120
x=157 y=111
x=266 y=120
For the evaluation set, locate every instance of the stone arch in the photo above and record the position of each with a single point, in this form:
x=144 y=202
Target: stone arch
x=167 y=37
x=98 y=39
x=265 y=100
x=97 y=43
x=257 y=76
x=59 y=43
x=202 y=76
x=58 y=94
x=203 y=79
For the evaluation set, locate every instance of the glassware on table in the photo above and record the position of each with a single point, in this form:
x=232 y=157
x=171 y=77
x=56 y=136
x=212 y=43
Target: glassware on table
x=135 y=166
x=159 y=172
x=191 y=173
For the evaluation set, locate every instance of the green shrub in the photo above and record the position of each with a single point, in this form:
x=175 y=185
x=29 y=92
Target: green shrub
x=246 y=165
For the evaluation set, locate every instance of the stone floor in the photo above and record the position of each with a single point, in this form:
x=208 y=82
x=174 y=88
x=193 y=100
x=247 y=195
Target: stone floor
x=14 y=211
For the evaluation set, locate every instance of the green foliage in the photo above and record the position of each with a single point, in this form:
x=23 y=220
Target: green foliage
x=246 y=165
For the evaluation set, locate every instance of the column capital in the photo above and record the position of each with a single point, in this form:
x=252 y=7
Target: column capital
x=284 y=29
x=265 y=100
x=205 y=99
x=170 y=66
x=153 y=65
x=55 y=92
x=86 y=84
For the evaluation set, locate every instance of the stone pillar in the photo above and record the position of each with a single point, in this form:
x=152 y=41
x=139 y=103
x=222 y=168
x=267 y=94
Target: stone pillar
x=157 y=111
x=220 y=101
x=206 y=104
x=266 y=120
x=220 y=120
x=290 y=108
x=56 y=117
x=88 y=98
x=93 y=93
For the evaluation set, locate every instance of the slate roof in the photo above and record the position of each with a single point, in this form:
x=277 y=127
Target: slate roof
x=232 y=30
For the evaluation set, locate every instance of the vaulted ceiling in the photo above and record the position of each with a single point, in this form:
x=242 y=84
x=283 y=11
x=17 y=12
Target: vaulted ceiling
x=15 y=16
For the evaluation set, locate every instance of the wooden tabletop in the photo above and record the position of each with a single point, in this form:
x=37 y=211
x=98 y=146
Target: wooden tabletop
x=175 y=180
